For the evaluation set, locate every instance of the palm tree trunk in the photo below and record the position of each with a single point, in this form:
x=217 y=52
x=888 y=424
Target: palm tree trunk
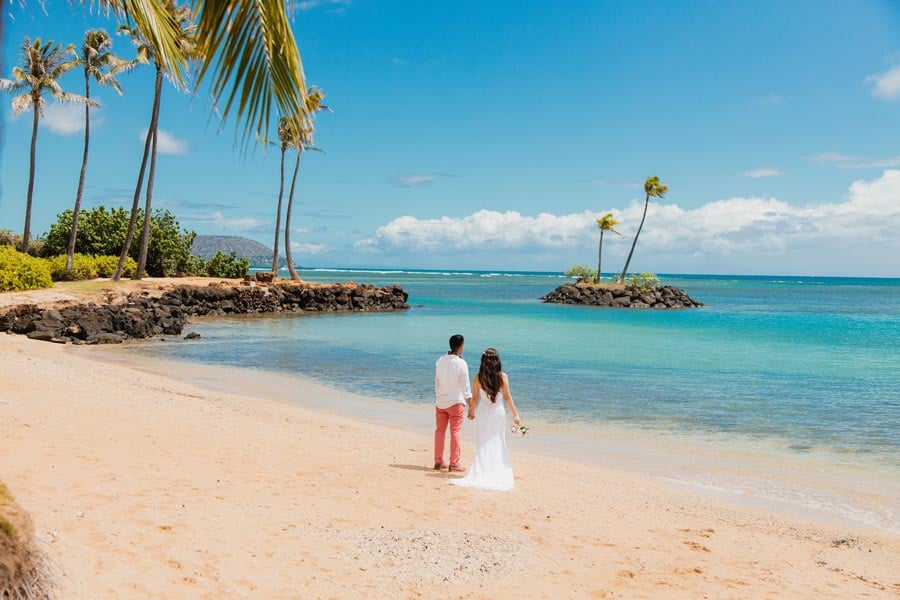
x=154 y=127
x=634 y=243
x=76 y=211
x=129 y=236
x=26 y=235
x=287 y=221
x=600 y=258
x=278 y=218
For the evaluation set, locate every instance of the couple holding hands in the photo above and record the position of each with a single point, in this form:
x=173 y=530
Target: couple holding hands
x=487 y=399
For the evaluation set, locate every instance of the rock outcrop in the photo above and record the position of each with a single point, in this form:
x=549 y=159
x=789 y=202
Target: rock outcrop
x=143 y=316
x=626 y=296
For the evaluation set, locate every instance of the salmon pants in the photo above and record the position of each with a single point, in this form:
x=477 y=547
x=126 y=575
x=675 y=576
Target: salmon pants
x=454 y=417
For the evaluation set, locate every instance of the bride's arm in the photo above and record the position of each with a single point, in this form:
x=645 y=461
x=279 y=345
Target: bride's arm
x=509 y=399
x=476 y=388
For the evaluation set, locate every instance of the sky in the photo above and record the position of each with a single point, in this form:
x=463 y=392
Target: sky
x=492 y=135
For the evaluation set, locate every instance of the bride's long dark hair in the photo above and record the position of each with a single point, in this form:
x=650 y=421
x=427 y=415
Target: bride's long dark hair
x=489 y=373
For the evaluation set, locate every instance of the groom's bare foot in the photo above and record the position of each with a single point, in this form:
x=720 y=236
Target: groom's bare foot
x=456 y=470
x=438 y=466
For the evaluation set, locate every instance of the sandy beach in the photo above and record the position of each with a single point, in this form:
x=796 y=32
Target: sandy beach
x=145 y=486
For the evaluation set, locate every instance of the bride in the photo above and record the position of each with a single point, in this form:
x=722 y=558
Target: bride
x=491 y=469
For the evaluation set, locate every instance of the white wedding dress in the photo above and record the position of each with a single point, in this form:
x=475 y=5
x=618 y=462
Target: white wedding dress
x=490 y=469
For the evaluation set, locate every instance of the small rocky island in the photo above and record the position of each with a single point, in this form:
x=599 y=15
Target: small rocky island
x=621 y=296
x=144 y=314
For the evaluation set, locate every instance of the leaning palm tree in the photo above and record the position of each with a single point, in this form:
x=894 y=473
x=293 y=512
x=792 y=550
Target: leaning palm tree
x=300 y=131
x=605 y=223
x=285 y=138
x=147 y=53
x=42 y=67
x=245 y=47
x=653 y=188
x=102 y=66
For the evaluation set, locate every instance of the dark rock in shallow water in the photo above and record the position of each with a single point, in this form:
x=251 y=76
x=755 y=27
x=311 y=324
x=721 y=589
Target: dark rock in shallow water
x=628 y=296
x=192 y=336
x=142 y=316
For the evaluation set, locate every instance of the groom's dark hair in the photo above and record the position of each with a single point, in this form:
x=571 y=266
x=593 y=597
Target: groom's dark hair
x=455 y=342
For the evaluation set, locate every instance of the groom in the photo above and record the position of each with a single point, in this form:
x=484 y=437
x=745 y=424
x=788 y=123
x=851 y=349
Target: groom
x=452 y=393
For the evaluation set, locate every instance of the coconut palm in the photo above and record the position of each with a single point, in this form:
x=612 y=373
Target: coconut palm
x=147 y=53
x=300 y=132
x=102 y=66
x=245 y=48
x=654 y=188
x=605 y=223
x=285 y=139
x=41 y=68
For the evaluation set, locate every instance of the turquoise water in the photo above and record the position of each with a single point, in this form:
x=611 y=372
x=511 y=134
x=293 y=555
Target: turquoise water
x=802 y=365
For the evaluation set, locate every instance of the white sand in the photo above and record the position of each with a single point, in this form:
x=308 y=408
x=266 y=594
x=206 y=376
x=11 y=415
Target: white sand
x=143 y=486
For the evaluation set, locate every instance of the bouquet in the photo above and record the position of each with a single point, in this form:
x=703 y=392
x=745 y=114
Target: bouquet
x=519 y=430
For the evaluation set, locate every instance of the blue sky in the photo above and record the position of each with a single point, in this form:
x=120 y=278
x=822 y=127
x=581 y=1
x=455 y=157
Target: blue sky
x=490 y=135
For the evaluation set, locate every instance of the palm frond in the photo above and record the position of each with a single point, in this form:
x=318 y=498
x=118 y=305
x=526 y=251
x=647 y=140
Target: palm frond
x=248 y=49
x=22 y=103
x=11 y=86
x=158 y=25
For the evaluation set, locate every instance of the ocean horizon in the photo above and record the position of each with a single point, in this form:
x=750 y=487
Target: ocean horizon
x=783 y=388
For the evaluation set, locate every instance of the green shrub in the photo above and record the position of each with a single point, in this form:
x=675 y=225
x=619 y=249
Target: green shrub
x=230 y=266
x=87 y=267
x=643 y=282
x=101 y=232
x=83 y=267
x=106 y=266
x=35 y=246
x=582 y=272
x=22 y=272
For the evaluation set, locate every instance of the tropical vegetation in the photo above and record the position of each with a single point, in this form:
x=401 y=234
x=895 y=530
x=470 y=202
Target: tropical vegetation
x=247 y=53
x=148 y=53
x=581 y=272
x=103 y=233
x=298 y=134
x=605 y=223
x=643 y=282
x=652 y=188
x=19 y=271
x=101 y=65
x=42 y=65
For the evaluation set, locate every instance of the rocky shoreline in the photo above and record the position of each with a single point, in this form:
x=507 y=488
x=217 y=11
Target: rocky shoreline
x=626 y=296
x=140 y=315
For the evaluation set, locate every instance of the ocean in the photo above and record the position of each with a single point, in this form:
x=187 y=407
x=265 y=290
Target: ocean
x=781 y=390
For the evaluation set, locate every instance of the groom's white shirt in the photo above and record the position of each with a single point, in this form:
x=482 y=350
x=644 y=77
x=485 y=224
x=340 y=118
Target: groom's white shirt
x=451 y=381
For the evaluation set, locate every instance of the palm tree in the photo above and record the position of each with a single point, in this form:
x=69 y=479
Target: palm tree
x=102 y=66
x=300 y=132
x=605 y=223
x=147 y=53
x=653 y=188
x=42 y=67
x=246 y=47
x=285 y=136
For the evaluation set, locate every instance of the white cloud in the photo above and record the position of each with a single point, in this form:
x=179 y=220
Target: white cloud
x=762 y=173
x=167 y=143
x=220 y=221
x=415 y=179
x=826 y=158
x=308 y=248
x=66 y=119
x=844 y=161
x=752 y=227
x=885 y=86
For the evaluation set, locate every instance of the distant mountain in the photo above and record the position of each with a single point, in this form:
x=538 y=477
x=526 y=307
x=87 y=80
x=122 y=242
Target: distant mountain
x=258 y=254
